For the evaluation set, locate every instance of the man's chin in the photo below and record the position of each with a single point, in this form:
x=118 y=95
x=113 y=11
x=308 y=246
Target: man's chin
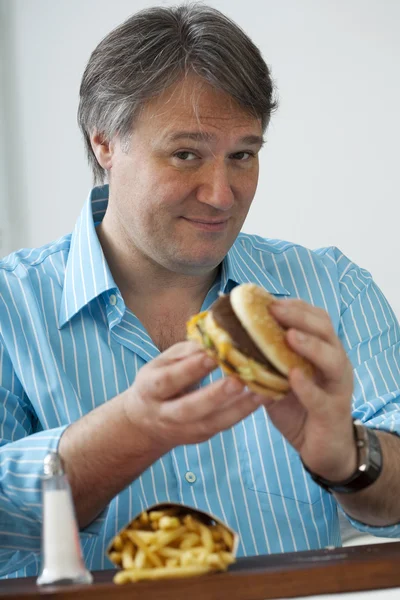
x=191 y=256
x=196 y=266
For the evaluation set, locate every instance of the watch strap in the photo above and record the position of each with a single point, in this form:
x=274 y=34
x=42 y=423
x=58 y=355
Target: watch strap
x=369 y=464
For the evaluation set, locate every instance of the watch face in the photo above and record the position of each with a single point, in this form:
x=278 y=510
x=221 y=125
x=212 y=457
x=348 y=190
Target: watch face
x=374 y=456
x=362 y=441
x=369 y=460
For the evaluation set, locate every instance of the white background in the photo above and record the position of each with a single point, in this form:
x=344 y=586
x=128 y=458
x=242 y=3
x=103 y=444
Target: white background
x=329 y=172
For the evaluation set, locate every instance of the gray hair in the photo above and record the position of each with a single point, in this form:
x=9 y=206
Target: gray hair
x=155 y=48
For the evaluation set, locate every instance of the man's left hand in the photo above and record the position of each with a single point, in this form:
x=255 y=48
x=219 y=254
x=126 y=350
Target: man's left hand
x=315 y=417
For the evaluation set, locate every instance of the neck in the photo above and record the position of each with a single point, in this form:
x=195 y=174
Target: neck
x=142 y=281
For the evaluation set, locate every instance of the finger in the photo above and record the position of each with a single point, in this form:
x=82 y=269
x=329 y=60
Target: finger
x=330 y=360
x=203 y=402
x=172 y=378
x=257 y=398
x=305 y=317
x=238 y=410
x=177 y=352
x=268 y=402
x=310 y=395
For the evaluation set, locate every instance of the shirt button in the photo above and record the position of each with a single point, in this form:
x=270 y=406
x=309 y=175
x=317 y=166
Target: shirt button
x=113 y=299
x=190 y=477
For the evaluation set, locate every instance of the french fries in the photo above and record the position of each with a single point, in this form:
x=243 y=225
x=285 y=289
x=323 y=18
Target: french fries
x=170 y=543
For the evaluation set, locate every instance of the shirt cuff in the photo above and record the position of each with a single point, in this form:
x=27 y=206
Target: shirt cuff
x=389 y=531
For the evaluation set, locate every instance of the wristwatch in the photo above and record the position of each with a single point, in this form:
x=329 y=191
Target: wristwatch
x=369 y=463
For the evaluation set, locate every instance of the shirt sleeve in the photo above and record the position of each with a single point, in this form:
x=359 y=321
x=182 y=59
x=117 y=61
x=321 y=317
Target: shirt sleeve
x=23 y=447
x=370 y=334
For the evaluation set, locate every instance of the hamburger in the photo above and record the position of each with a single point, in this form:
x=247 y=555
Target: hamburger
x=246 y=340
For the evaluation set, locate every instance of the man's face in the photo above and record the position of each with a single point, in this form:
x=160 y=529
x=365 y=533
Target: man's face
x=182 y=191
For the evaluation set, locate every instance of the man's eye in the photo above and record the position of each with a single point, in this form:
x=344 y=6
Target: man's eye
x=185 y=155
x=242 y=155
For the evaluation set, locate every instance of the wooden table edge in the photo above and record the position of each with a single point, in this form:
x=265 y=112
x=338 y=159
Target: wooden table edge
x=276 y=576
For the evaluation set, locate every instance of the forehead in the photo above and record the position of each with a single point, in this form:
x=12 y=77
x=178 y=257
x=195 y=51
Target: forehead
x=192 y=102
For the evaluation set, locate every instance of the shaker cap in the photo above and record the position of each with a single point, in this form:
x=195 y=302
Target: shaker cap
x=52 y=464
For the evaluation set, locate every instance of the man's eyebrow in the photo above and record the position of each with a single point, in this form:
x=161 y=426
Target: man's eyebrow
x=199 y=136
x=196 y=136
x=253 y=140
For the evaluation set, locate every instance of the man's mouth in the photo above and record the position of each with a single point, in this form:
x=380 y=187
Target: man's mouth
x=208 y=224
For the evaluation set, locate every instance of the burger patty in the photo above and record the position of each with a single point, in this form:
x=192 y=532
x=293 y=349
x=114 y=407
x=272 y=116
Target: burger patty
x=226 y=319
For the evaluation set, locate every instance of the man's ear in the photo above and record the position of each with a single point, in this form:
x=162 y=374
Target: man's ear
x=103 y=150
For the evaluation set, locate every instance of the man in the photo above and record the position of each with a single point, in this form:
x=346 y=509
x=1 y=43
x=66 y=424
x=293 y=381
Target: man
x=173 y=107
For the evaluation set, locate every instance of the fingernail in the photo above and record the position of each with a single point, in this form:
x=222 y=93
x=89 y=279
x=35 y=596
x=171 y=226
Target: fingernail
x=257 y=398
x=251 y=396
x=300 y=337
x=233 y=386
x=280 y=308
x=209 y=362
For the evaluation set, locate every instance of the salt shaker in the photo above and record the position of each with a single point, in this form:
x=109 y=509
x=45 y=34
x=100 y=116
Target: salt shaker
x=62 y=560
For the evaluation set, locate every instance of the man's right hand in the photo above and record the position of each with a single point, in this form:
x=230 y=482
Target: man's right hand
x=112 y=445
x=170 y=411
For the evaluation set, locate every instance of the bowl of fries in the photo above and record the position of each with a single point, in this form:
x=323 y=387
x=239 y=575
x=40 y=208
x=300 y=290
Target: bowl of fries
x=172 y=541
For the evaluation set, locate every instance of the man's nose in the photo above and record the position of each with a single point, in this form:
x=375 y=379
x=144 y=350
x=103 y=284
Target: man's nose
x=215 y=189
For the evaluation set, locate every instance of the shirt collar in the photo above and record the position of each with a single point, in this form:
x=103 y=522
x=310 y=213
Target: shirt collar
x=240 y=266
x=87 y=274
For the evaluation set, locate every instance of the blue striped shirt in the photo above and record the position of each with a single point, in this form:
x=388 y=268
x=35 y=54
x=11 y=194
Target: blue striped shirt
x=68 y=343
